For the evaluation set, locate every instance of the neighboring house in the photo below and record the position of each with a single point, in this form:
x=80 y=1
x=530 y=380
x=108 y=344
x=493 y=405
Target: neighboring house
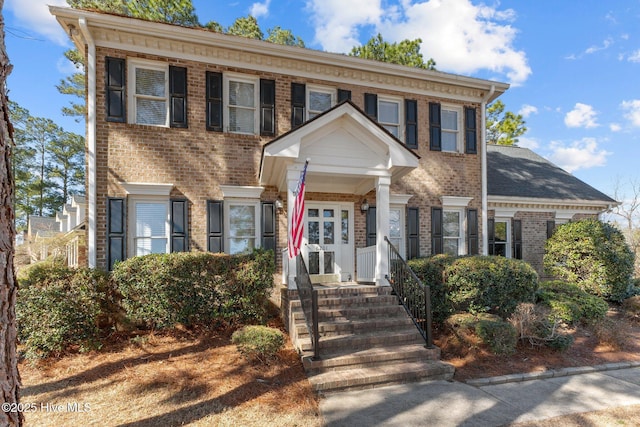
x=63 y=235
x=196 y=141
x=528 y=196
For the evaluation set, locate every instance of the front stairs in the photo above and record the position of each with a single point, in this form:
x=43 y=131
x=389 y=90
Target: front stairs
x=367 y=340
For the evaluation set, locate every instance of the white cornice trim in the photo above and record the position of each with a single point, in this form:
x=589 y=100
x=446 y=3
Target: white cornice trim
x=147 y=188
x=399 y=199
x=241 y=192
x=593 y=204
x=455 y=201
x=206 y=46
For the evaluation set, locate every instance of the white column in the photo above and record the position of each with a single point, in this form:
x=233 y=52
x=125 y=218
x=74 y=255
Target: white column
x=382 y=229
x=292 y=182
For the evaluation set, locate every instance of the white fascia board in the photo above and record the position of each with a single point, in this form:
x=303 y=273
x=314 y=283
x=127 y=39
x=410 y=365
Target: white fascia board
x=455 y=201
x=540 y=201
x=241 y=191
x=147 y=188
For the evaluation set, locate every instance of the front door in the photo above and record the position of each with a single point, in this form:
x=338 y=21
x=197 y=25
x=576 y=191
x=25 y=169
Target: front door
x=322 y=247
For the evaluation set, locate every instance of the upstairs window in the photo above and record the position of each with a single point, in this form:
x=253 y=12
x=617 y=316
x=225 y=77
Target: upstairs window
x=389 y=113
x=241 y=102
x=450 y=129
x=148 y=101
x=319 y=100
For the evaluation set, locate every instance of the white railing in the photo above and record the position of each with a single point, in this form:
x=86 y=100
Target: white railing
x=366 y=264
x=285 y=266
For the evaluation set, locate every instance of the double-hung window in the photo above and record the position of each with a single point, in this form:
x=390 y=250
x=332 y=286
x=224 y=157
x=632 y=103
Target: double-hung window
x=148 y=101
x=150 y=225
x=451 y=128
x=241 y=97
x=389 y=113
x=452 y=228
x=242 y=224
x=319 y=100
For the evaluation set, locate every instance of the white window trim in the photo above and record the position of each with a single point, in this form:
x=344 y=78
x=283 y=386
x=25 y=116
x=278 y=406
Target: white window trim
x=400 y=124
x=131 y=235
x=403 y=227
x=460 y=132
x=132 y=65
x=462 y=238
x=235 y=201
x=255 y=81
x=322 y=89
x=508 y=220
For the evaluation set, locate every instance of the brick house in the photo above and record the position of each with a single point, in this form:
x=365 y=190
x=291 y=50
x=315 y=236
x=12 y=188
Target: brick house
x=196 y=140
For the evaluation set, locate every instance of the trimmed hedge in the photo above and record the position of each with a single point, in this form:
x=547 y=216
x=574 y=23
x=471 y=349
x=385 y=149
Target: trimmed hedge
x=570 y=304
x=258 y=342
x=594 y=255
x=162 y=290
x=58 y=307
x=476 y=284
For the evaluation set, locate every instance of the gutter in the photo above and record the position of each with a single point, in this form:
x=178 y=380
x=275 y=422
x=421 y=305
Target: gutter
x=485 y=204
x=91 y=144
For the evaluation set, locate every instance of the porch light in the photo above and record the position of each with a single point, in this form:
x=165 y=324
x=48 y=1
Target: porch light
x=279 y=204
x=364 y=206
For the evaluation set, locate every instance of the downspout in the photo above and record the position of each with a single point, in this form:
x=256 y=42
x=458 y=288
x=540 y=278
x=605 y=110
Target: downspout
x=91 y=144
x=485 y=205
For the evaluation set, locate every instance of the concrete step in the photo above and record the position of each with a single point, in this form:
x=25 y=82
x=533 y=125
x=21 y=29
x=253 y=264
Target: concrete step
x=352 y=313
x=350 y=301
x=343 y=359
x=376 y=376
x=341 y=327
x=395 y=336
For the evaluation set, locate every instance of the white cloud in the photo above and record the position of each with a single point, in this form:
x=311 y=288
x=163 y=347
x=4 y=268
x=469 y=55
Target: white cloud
x=260 y=9
x=605 y=44
x=582 y=116
x=336 y=23
x=582 y=154
x=530 y=143
x=526 y=110
x=34 y=15
x=632 y=111
x=633 y=56
x=459 y=36
x=615 y=127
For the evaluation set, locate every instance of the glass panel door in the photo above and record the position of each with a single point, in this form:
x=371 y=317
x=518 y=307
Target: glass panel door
x=324 y=235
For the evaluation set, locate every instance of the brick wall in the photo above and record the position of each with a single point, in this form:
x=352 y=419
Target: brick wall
x=197 y=161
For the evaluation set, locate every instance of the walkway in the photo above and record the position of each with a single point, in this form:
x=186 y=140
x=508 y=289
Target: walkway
x=487 y=402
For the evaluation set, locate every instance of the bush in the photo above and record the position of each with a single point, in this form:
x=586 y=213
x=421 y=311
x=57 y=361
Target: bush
x=162 y=290
x=593 y=255
x=570 y=304
x=631 y=307
x=533 y=323
x=59 y=307
x=431 y=272
x=499 y=335
x=258 y=342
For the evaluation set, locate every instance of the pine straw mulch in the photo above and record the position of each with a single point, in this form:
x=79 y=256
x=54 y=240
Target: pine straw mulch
x=169 y=379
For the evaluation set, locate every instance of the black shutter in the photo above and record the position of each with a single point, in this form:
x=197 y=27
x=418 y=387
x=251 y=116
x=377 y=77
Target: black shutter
x=344 y=95
x=178 y=96
x=437 y=236
x=179 y=225
x=411 y=123
x=371 y=226
x=516 y=226
x=267 y=107
x=115 y=89
x=371 y=105
x=491 y=232
x=413 y=233
x=435 y=128
x=298 y=103
x=214 y=226
x=268 y=226
x=472 y=232
x=471 y=144
x=551 y=227
x=116 y=236
x=214 y=101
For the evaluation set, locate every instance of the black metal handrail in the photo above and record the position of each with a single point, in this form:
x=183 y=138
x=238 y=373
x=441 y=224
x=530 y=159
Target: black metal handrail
x=412 y=293
x=309 y=301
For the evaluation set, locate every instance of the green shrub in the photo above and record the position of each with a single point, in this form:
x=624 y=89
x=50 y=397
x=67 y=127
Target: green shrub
x=162 y=290
x=535 y=325
x=499 y=335
x=59 y=307
x=476 y=284
x=593 y=255
x=258 y=342
x=570 y=304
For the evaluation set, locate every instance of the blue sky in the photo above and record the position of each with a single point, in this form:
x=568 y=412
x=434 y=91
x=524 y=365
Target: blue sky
x=574 y=65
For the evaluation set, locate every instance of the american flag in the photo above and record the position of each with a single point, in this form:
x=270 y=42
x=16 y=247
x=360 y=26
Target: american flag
x=296 y=227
